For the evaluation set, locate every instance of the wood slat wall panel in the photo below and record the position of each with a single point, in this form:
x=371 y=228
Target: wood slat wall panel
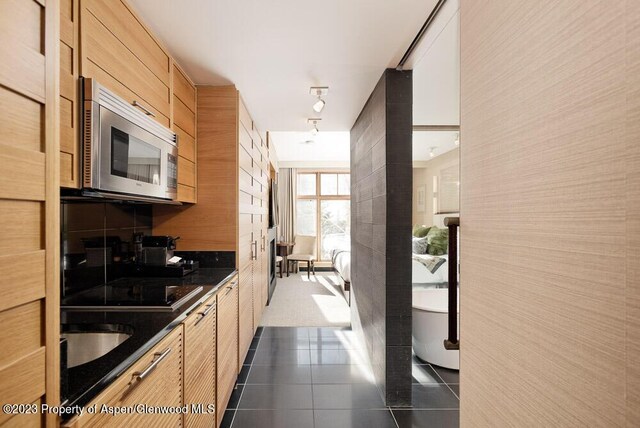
x=21 y=332
x=21 y=19
x=22 y=278
x=21 y=121
x=25 y=419
x=545 y=183
x=23 y=381
x=21 y=68
x=67 y=19
x=21 y=225
x=25 y=172
x=69 y=147
x=104 y=49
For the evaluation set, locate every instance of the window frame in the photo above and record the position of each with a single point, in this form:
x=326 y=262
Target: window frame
x=318 y=197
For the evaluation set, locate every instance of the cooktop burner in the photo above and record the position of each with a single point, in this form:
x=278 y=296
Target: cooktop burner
x=120 y=297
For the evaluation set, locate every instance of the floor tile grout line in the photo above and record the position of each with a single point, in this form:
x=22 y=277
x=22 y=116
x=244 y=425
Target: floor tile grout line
x=394 y=417
x=242 y=393
x=438 y=374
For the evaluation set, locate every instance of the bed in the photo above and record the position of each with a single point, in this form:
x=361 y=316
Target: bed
x=341 y=262
x=420 y=274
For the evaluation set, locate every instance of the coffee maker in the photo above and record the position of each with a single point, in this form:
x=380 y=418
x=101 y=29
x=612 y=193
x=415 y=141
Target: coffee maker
x=158 y=250
x=157 y=258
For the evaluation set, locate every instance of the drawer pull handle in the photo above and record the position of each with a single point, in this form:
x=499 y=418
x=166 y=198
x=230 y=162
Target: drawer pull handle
x=143 y=108
x=205 y=313
x=157 y=357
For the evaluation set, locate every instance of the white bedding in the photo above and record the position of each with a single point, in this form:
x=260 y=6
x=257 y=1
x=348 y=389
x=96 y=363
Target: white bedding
x=421 y=275
x=342 y=263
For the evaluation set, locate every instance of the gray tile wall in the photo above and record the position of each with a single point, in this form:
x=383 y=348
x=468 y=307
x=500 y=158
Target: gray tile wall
x=381 y=183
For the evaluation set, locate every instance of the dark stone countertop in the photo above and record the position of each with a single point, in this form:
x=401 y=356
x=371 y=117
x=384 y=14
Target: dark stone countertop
x=87 y=380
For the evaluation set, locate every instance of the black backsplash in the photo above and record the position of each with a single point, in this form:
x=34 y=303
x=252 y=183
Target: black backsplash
x=97 y=243
x=96 y=240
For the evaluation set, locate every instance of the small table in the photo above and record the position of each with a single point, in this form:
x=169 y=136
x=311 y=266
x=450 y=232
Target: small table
x=284 y=249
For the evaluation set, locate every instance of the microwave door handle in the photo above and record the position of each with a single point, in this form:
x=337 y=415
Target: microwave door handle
x=143 y=108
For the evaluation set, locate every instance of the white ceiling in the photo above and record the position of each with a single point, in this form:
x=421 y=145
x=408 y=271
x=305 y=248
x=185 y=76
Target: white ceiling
x=326 y=148
x=273 y=51
x=442 y=142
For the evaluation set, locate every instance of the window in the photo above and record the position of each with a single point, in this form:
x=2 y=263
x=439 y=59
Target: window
x=324 y=205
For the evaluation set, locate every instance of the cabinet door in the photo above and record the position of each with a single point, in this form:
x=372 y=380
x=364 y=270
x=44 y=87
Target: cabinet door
x=200 y=364
x=69 y=147
x=154 y=380
x=184 y=125
x=245 y=322
x=227 y=347
x=120 y=52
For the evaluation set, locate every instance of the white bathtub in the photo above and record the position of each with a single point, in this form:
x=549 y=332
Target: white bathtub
x=430 y=327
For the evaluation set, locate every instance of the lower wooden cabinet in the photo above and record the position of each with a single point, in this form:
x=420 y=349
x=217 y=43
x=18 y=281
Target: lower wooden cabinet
x=227 y=346
x=200 y=365
x=154 y=380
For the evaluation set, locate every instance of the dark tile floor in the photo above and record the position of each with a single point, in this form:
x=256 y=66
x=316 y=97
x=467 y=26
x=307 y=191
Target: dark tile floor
x=303 y=377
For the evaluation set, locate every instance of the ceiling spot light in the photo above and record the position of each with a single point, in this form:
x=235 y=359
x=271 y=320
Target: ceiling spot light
x=314 y=131
x=457 y=140
x=432 y=153
x=319 y=91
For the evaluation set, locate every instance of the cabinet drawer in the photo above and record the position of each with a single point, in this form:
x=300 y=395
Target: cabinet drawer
x=200 y=363
x=154 y=380
x=244 y=160
x=227 y=346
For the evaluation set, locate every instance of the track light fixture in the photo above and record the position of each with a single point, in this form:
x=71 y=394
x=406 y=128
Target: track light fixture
x=457 y=140
x=319 y=91
x=314 y=120
x=432 y=153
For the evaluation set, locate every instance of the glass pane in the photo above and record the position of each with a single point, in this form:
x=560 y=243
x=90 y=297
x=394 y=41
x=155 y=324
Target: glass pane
x=344 y=184
x=133 y=158
x=306 y=217
x=336 y=227
x=306 y=184
x=328 y=184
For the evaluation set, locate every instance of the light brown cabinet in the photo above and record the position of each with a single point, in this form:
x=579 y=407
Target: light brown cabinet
x=29 y=208
x=200 y=364
x=154 y=380
x=184 y=125
x=106 y=40
x=227 y=345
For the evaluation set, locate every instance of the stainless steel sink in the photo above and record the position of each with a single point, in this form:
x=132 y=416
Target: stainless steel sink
x=87 y=342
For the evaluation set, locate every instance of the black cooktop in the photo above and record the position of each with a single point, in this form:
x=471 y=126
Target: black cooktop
x=124 y=295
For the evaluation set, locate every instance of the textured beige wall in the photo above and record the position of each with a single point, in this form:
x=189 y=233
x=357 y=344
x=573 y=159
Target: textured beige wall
x=550 y=209
x=423 y=173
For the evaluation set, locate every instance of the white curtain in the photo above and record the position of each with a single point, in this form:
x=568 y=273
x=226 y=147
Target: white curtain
x=287 y=193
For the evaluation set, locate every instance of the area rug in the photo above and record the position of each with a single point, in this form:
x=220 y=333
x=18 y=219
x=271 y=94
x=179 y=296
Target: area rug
x=301 y=302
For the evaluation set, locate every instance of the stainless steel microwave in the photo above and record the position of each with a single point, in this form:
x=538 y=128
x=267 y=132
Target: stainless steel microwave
x=126 y=154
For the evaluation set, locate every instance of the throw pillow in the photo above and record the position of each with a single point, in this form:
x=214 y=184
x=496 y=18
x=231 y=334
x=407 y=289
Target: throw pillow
x=419 y=245
x=438 y=241
x=420 y=231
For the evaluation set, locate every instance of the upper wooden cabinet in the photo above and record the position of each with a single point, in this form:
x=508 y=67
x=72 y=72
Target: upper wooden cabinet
x=119 y=51
x=184 y=125
x=106 y=40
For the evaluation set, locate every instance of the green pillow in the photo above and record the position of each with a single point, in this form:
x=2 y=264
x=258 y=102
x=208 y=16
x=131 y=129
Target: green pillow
x=438 y=241
x=420 y=231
